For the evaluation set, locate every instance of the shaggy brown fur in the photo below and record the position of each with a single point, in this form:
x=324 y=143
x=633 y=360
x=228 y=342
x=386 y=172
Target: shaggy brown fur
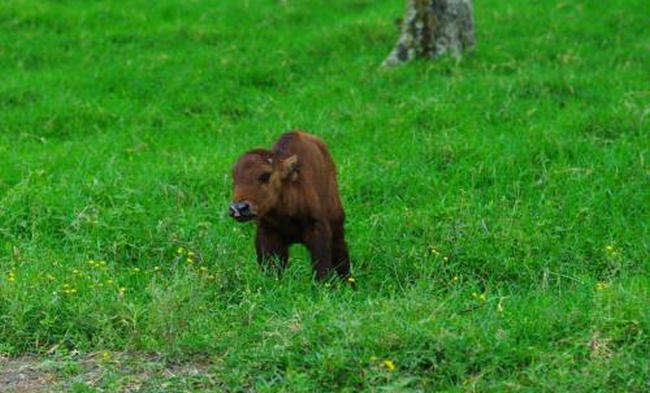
x=292 y=193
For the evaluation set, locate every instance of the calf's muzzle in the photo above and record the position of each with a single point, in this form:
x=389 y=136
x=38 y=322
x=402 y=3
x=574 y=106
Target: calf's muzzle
x=240 y=211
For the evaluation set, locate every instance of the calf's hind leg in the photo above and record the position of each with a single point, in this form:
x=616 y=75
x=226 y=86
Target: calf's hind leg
x=340 y=256
x=318 y=239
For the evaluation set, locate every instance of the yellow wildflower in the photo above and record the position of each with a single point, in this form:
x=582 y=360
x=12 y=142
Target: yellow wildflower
x=122 y=290
x=434 y=251
x=455 y=279
x=190 y=254
x=180 y=250
x=106 y=356
x=445 y=259
x=482 y=297
x=351 y=280
x=68 y=290
x=601 y=285
x=389 y=364
x=189 y=260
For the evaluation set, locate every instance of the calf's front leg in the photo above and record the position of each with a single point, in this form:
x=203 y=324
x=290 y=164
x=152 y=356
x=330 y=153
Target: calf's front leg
x=271 y=249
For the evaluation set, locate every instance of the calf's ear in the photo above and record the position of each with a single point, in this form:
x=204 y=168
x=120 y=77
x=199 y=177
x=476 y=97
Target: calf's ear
x=290 y=168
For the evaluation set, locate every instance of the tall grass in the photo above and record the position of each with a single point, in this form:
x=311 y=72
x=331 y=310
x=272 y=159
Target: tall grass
x=498 y=206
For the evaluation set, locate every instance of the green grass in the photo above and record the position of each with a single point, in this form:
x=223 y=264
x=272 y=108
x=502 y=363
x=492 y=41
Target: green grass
x=523 y=170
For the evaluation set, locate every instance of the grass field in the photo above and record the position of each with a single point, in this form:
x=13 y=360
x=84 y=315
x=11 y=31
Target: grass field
x=498 y=206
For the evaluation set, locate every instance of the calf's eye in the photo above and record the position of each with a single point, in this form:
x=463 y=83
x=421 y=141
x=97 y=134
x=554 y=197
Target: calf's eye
x=264 y=177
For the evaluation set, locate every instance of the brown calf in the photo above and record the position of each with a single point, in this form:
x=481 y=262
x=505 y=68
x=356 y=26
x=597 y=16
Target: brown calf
x=291 y=192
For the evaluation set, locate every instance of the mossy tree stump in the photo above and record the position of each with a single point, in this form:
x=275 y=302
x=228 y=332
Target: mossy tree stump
x=431 y=28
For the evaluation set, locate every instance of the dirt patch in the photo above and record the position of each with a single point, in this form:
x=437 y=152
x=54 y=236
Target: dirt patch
x=24 y=375
x=124 y=372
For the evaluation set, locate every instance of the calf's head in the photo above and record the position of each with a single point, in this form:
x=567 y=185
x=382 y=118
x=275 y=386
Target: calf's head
x=258 y=178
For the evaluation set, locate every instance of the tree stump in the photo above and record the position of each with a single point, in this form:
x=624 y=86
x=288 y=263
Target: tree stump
x=431 y=28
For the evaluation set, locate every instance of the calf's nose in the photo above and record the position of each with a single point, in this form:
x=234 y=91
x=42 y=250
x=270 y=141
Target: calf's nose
x=239 y=209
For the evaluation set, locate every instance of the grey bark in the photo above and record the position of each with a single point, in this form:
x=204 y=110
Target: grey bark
x=431 y=28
